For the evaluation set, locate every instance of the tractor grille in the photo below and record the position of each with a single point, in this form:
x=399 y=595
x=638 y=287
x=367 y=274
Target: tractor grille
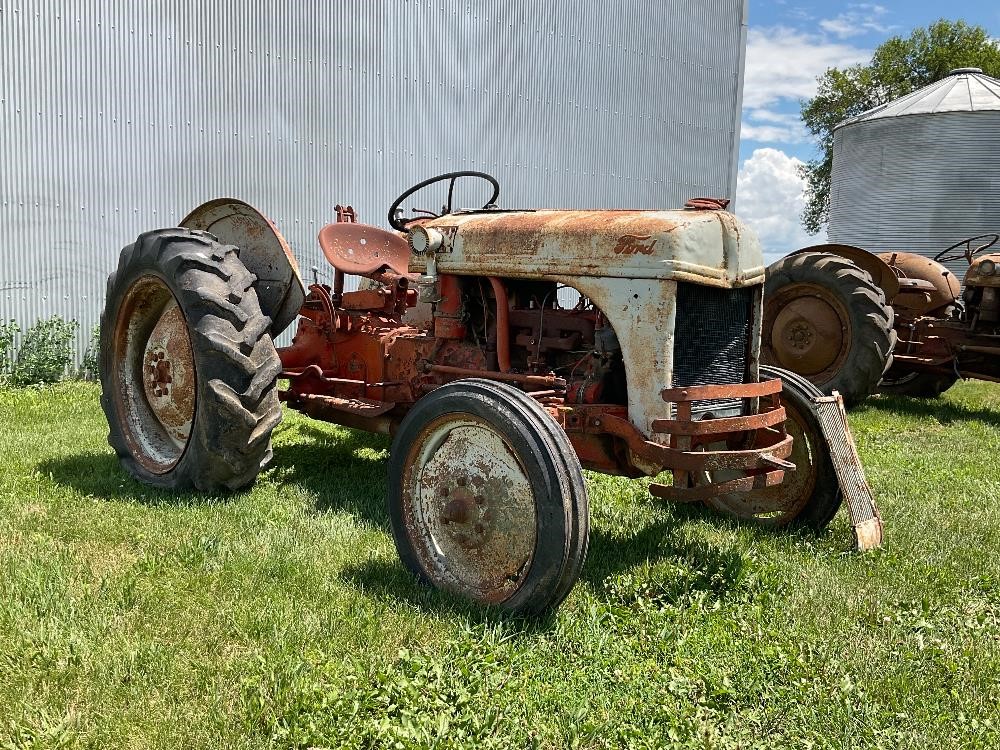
x=712 y=342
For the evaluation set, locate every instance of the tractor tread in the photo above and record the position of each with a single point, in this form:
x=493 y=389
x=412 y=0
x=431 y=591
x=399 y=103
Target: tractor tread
x=870 y=351
x=237 y=365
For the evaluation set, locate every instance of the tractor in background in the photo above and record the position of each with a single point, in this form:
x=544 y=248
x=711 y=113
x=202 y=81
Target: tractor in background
x=897 y=322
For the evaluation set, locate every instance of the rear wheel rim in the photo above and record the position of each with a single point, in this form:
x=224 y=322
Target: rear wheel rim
x=469 y=508
x=154 y=374
x=810 y=331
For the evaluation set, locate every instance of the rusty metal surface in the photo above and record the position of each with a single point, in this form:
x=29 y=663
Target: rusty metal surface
x=707 y=247
x=263 y=250
x=154 y=369
x=975 y=276
x=469 y=508
x=707 y=204
x=944 y=291
x=704 y=492
x=502 y=323
x=448 y=309
x=810 y=330
x=778 y=445
x=538 y=381
x=738 y=390
x=758 y=421
x=346 y=412
x=365 y=299
x=363 y=249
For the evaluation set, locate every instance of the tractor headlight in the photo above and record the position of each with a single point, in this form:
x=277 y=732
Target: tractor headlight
x=424 y=240
x=987 y=268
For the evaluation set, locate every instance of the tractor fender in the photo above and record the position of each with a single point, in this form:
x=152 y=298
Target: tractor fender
x=938 y=294
x=264 y=252
x=883 y=276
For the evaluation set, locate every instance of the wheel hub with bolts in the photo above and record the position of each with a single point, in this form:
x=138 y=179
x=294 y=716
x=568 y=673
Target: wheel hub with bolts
x=169 y=383
x=474 y=512
x=159 y=373
x=800 y=335
x=465 y=511
x=808 y=333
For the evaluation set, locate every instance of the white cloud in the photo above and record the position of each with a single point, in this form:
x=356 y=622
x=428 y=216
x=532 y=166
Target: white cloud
x=766 y=115
x=772 y=127
x=783 y=64
x=860 y=18
x=770 y=196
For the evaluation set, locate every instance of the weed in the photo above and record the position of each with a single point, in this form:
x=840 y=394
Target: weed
x=45 y=352
x=8 y=331
x=90 y=367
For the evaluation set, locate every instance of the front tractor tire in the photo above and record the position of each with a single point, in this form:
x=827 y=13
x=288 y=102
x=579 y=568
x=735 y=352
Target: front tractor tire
x=487 y=498
x=809 y=496
x=188 y=368
x=826 y=320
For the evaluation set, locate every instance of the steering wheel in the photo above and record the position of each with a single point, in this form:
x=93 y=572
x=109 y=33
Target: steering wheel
x=399 y=224
x=969 y=253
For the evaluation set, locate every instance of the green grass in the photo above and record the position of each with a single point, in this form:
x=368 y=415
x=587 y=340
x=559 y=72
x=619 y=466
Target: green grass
x=282 y=617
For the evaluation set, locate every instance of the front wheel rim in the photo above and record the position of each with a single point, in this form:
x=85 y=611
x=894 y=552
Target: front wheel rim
x=469 y=508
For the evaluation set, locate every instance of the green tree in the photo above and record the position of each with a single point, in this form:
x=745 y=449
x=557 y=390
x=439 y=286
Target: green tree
x=898 y=66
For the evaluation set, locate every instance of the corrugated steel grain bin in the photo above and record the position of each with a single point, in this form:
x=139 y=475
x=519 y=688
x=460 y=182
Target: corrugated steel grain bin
x=119 y=117
x=922 y=172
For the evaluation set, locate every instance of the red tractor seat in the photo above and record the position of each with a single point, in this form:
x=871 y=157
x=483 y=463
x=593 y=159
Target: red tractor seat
x=363 y=249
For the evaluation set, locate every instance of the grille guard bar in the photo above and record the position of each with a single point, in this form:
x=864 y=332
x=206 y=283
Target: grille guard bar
x=763 y=464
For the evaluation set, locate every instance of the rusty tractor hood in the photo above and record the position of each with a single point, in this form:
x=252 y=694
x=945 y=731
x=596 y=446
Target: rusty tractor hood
x=701 y=246
x=977 y=276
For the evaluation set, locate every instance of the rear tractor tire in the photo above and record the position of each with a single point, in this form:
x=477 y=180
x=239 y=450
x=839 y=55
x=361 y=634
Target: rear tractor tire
x=487 y=498
x=826 y=320
x=188 y=368
x=808 y=497
x=916 y=384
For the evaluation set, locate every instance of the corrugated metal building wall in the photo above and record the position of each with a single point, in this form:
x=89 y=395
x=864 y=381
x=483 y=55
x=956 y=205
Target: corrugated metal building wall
x=120 y=116
x=921 y=172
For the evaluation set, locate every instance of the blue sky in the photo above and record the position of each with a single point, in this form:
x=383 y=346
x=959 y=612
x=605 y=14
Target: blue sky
x=789 y=44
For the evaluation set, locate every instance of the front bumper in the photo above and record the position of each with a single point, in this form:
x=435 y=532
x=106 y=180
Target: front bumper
x=710 y=457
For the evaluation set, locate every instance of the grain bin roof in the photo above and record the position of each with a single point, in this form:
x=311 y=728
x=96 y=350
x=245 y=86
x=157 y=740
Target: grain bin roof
x=962 y=90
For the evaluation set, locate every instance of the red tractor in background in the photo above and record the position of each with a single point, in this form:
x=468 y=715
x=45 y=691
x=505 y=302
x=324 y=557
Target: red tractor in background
x=497 y=395
x=897 y=322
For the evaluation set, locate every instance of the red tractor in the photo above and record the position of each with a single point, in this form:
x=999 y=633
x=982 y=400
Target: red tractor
x=497 y=393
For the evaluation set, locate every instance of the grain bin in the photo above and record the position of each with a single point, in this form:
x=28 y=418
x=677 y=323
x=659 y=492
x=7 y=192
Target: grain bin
x=921 y=172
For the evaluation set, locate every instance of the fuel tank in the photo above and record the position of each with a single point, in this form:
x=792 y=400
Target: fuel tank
x=912 y=266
